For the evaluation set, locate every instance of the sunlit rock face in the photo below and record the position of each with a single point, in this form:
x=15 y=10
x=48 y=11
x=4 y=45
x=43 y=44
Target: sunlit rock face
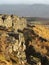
x=12 y=42
x=8 y=22
x=11 y=21
x=18 y=23
x=22 y=43
x=1 y=22
x=12 y=48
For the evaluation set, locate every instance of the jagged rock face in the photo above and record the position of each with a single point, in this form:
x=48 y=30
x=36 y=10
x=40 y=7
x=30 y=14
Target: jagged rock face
x=8 y=22
x=1 y=22
x=12 y=44
x=12 y=21
x=19 y=23
x=12 y=48
x=22 y=45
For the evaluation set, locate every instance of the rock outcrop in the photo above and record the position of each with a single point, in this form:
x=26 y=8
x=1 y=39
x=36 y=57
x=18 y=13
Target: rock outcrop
x=22 y=44
x=12 y=22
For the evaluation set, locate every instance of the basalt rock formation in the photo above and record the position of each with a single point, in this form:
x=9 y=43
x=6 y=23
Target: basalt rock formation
x=21 y=43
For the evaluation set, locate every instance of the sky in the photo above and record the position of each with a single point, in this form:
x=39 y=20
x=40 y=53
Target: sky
x=24 y=1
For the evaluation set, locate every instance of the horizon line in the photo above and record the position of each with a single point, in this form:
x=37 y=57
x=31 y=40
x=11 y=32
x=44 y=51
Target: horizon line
x=23 y=4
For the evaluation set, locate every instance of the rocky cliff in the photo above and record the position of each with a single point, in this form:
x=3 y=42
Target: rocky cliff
x=21 y=43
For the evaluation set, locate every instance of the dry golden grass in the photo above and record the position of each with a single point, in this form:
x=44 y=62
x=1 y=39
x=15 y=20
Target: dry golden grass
x=3 y=61
x=39 y=45
x=42 y=31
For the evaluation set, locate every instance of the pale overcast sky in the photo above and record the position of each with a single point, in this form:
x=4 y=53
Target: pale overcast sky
x=23 y=1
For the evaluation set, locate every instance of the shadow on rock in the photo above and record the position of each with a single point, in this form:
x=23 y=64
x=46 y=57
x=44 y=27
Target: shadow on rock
x=30 y=52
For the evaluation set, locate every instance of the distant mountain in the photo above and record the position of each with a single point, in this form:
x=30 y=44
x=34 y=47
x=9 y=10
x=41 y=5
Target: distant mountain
x=35 y=10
